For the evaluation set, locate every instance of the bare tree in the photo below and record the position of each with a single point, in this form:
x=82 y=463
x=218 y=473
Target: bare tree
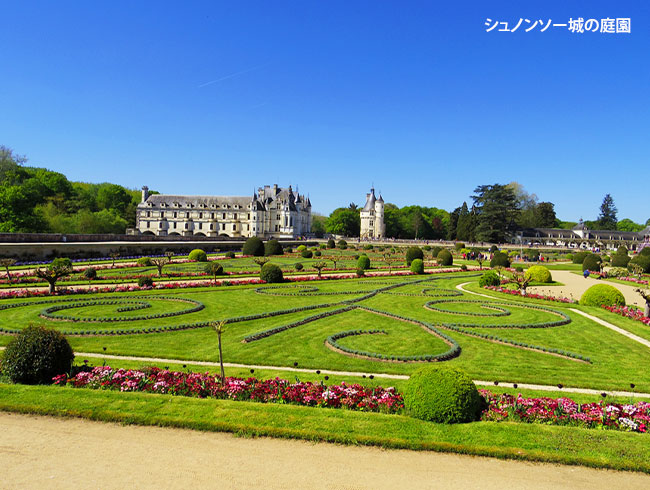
x=521 y=281
x=114 y=256
x=319 y=266
x=220 y=328
x=160 y=262
x=480 y=259
x=6 y=263
x=57 y=269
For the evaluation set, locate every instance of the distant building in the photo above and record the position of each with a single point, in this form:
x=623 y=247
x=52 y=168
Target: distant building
x=271 y=212
x=372 y=217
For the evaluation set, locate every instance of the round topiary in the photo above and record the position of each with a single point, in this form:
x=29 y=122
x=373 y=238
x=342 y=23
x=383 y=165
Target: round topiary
x=360 y=272
x=620 y=259
x=301 y=248
x=37 y=355
x=417 y=266
x=435 y=251
x=273 y=247
x=494 y=249
x=298 y=266
x=144 y=261
x=213 y=268
x=90 y=273
x=198 y=255
x=489 y=278
x=578 y=257
x=427 y=247
x=363 y=262
x=642 y=261
x=500 y=260
x=331 y=243
x=459 y=245
x=271 y=273
x=445 y=257
x=306 y=254
x=592 y=262
x=413 y=253
x=253 y=246
x=342 y=244
x=602 y=294
x=317 y=253
x=539 y=273
x=145 y=282
x=443 y=395
x=230 y=255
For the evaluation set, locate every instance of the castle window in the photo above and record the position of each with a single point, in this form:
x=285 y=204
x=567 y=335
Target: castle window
x=234 y=216
x=200 y=226
x=249 y=216
x=371 y=223
x=200 y=215
x=174 y=224
x=162 y=214
x=148 y=224
x=278 y=217
x=148 y=214
x=175 y=214
x=211 y=226
x=224 y=215
x=212 y=215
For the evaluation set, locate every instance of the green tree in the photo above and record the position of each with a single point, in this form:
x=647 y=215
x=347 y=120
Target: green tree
x=318 y=225
x=54 y=271
x=497 y=210
x=607 y=219
x=344 y=221
x=545 y=215
x=628 y=225
x=464 y=227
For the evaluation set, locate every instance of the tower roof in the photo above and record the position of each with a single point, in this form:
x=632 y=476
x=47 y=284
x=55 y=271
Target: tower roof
x=370 y=201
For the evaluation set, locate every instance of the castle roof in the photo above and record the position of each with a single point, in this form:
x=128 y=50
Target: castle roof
x=370 y=201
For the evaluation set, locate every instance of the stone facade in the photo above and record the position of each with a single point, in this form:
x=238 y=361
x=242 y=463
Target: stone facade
x=372 y=217
x=271 y=212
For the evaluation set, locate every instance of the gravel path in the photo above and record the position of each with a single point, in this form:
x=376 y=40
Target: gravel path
x=44 y=452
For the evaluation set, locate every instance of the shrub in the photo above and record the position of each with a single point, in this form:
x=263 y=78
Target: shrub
x=602 y=294
x=298 y=266
x=331 y=243
x=539 y=273
x=427 y=247
x=363 y=262
x=253 y=246
x=519 y=268
x=591 y=262
x=367 y=246
x=230 y=255
x=463 y=267
x=318 y=253
x=435 y=250
x=413 y=253
x=489 y=278
x=145 y=282
x=360 y=272
x=532 y=254
x=273 y=247
x=306 y=254
x=622 y=250
x=213 y=268
x=198 y=255
x=301 y=248
x=417 y=266
x=459 y=246
x=620 y=259
x=645 y=251
x=500 y=260
x=579 y=257
x=36 y=355
x=445 y=257
x=642 y=260
x=342 y=244
x=356 y=257
x=322 y=246
x=569 y=257
x=288 y=249
x=443 y=395
x=494 y=249
x=271 y=273
x=144 y=261
x=90 y=273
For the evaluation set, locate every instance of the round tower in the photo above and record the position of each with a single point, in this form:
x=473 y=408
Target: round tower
x=380 y=227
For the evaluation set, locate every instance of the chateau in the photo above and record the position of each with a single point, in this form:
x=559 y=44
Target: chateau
x=271 y=212
x=372 y=217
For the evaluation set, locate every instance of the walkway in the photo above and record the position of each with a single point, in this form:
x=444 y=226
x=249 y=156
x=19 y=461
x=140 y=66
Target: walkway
x=111 y=456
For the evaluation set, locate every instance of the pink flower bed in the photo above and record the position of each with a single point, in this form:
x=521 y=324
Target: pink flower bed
x=564 y=411
x=515 y=292
x=628 y=312
x=205 y=385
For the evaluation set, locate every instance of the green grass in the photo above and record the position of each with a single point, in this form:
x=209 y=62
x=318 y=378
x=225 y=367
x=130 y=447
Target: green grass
x=566 y=445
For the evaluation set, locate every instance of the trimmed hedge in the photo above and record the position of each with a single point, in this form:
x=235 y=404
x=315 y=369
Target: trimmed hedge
x=363 y=262
x=602 y=294
x=145 y=282
x=620 y=259
x=36 y=355
x=253 y=246
x=417 y=266
x=445 y=258
x=198 y=255
x=271 y=273
x=273 y=247
x=579 y=257
x=500 y=259
x=539 y=273
x=331 y=243
x=489 y=278
x=144 y=261
x=342 y=244
x=306 y=254
x=642 y=260
x=443 y=395
x=592 y=262
x=413 y=253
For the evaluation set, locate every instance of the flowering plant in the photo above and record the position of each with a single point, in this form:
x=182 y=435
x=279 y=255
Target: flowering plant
x=628 y=312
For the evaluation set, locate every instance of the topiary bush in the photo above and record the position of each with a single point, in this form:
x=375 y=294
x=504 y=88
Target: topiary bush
x=342 y=244
x=500 y=259
x=298 y=266
x=213 y=268
x=145 y=282
x=519 y=268
x=494 y=249
x=367 y=246
x=198 y=255
x=331 y=243
x=36 y=355
x=306 y=254
x=273 y=247
x=489 y=278
x=539 y=273
x=363 y=262
x=413 y=253
x=602 y=294
x=230 y=255
x=144 y=261
x=642 y=261
x=620 y=259
x=592 y=262
x=90 y=273
x=253 y=246
x=435 y=251
x=459 y=246
x=578 y=257
x=445 y=257
x=317 y=253
x=361 y=272
x=271 y=273
x=443 y=395
x=417 y=266
x=301 y=248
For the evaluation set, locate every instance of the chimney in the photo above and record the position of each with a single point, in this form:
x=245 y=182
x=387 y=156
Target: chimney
x=145 y=193
x=275 y=189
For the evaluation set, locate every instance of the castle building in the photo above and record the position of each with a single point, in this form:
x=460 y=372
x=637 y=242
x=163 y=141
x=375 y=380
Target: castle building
x=372 y=217
x=271 y=212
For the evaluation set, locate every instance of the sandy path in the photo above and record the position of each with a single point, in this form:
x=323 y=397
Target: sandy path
x=575 y=285
x=43 y=452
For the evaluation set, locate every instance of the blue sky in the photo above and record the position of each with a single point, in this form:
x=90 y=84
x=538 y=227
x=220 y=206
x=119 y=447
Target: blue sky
x=415 y=97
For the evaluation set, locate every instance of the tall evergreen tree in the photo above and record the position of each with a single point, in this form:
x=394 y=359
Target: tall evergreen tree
x=453 y=224
x=545 y=215
x=463 y=229
x=497 y=210
x=607 y=218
